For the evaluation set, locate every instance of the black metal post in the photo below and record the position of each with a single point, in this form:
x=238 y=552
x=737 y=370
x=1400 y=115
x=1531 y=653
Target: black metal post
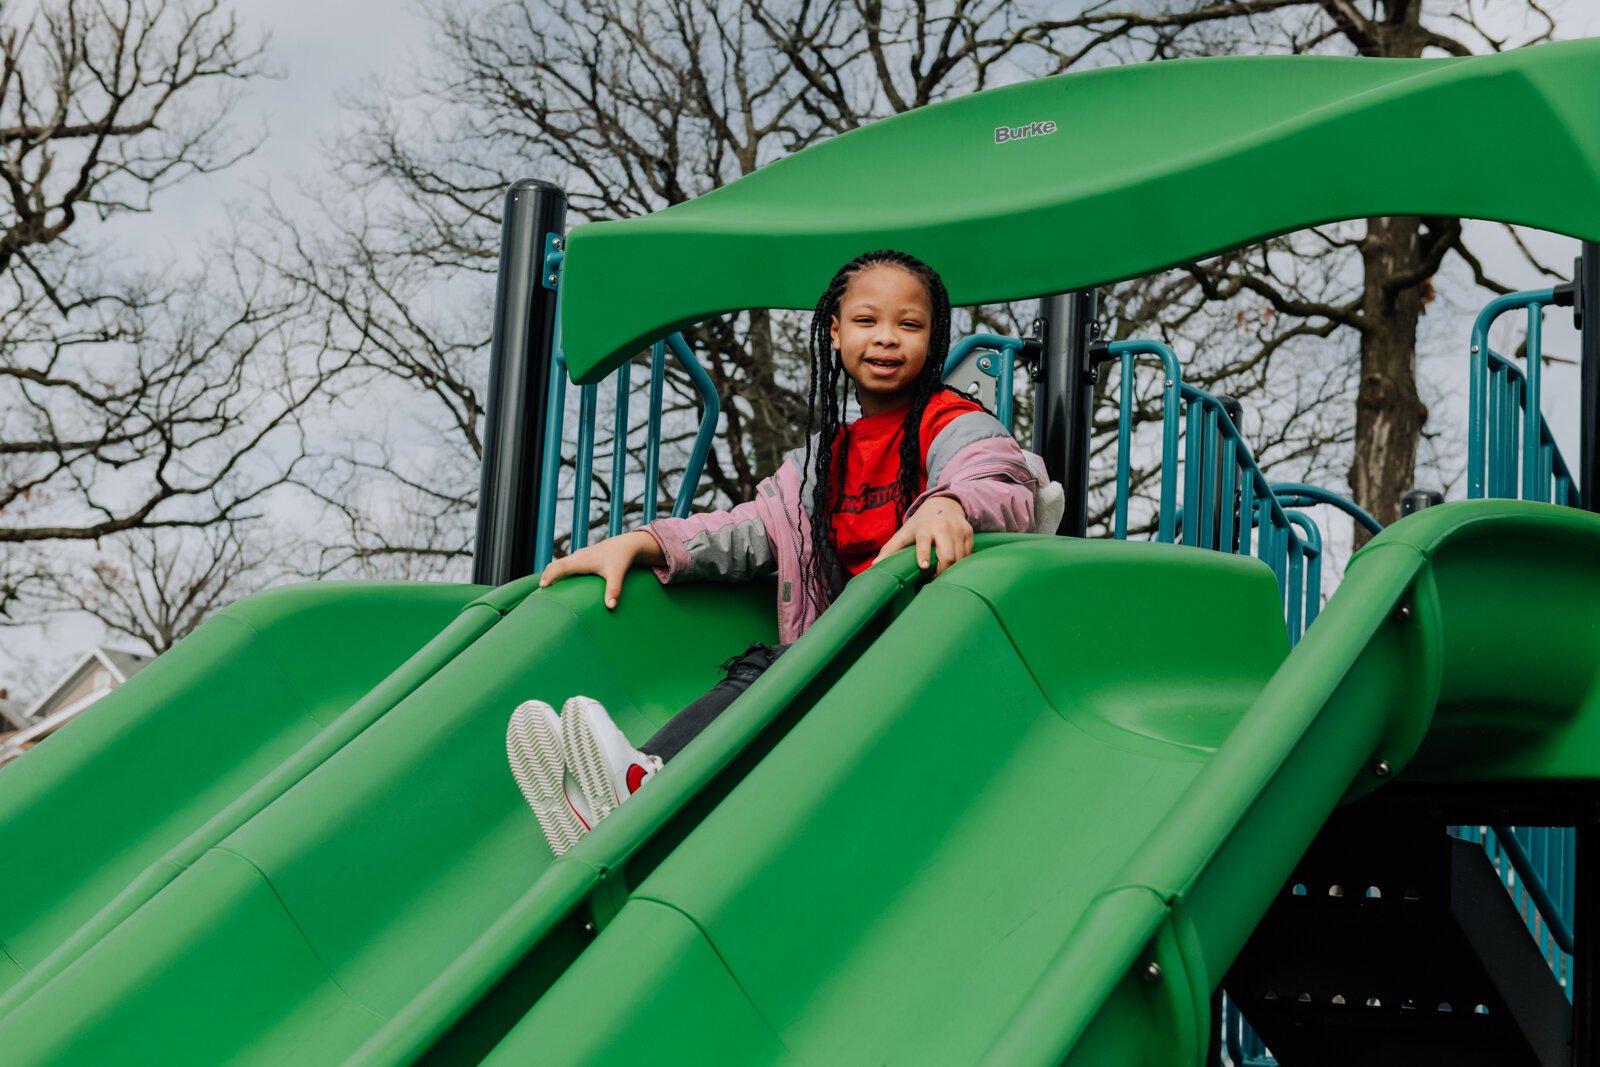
x=1587 y=310
x=1414 y=500
x=519 y=384
x=1064 y=400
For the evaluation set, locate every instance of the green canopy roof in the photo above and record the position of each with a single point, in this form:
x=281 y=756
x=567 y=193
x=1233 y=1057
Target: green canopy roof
x=1111 y=174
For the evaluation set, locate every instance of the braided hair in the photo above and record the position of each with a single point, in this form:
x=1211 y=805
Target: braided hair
x=827 y=448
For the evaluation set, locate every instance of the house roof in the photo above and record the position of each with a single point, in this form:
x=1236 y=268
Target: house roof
x=122 y=665
x=1086 y=178
x=126 y=664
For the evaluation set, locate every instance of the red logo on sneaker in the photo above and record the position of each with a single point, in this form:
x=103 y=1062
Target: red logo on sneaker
x=636 y=777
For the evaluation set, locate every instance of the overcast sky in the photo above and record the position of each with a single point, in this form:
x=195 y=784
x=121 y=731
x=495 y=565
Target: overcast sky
x=319 y=53
x=322 y=50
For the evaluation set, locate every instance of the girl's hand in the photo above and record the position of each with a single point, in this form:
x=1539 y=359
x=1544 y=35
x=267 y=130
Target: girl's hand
x=939 y=522
x=610 y=559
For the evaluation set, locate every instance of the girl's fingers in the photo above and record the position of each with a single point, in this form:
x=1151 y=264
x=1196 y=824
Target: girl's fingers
x=554 y=571
x=924 y=541
x=901 y=539
x=945 y=543
x=613 y=577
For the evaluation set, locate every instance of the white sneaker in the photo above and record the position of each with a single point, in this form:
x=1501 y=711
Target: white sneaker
x=534 y=747
x=609 y=769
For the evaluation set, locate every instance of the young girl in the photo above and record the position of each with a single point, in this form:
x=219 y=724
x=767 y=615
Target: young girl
x=922 y=466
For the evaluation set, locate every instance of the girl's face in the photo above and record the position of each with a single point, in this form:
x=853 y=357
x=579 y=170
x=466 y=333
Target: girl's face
x=881 y=332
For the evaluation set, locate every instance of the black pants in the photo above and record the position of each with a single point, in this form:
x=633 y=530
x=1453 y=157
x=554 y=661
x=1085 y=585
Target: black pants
x=740 y=671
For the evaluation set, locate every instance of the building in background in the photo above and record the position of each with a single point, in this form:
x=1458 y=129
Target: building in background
x=99 y=672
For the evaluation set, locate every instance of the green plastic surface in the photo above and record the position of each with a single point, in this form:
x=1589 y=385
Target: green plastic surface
x=1151 y=165
x=399 y=893
x=954 y=825
x=98 y=817
x=1032 y=787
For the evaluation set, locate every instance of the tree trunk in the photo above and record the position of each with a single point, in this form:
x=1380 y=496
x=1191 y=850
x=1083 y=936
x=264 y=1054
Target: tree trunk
x=1389 y=413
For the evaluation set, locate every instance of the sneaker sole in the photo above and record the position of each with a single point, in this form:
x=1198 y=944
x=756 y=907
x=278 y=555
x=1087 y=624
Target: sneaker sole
x=533 y=746
x=583 y=756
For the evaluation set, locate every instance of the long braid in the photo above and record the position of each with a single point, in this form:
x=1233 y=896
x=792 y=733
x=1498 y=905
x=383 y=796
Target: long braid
x=931 y=381
x=820 y=569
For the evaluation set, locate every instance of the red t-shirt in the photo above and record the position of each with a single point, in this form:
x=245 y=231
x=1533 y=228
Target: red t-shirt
x=866 y=520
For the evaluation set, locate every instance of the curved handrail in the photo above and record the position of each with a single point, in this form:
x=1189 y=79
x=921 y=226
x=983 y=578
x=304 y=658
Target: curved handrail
x=1508 y=438
x=708 y=423
x=1126 y=352
x=1004 y=370
x=1302 y=495
x=1523 y=864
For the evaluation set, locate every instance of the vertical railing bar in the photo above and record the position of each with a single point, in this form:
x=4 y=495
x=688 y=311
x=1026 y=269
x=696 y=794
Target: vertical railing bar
x=1546 y=473
x=1477 y=385
x=1296 y=588
x=1310 y=549
x=1496 y=450
x=1515 y=460
x=619 y=450
x=1193 y=470
x=1280 y=543
x=1208 y=474
x=1172 y=390
x=1229 y=495
x=1008 y=370
x=1314 y=588
x=583 y=466
x=652 y=446
x=708 y=424
x=1513 y=452
x=1246 y=513
x=1124 y=445
x=554 y=434
x=1532 y=423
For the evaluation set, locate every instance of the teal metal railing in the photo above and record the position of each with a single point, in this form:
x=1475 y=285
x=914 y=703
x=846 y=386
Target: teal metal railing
x=1235 y=508
x=1510 y=450
x=1227 y=503
x=1002 y=368
x=1512 y=454
x=997 y=360
x=1301 y=495
x=1537 y=866
x=584 y=459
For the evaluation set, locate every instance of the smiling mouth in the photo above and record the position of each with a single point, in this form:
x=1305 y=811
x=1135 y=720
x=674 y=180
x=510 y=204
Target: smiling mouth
x=887 y=364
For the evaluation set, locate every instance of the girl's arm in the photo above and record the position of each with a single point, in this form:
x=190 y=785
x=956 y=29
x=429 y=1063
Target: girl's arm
x=979 y=479
x=725 y=546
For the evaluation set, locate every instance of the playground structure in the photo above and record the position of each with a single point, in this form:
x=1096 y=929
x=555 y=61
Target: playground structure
x=293 y=837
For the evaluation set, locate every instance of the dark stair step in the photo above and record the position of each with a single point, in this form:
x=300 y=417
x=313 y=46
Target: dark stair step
x=1394 y=943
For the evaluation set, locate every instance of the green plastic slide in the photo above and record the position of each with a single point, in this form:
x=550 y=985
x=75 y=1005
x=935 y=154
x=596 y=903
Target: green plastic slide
x=399 y=894
x=1026 y=814
x=116 y=804
x=1038 y=819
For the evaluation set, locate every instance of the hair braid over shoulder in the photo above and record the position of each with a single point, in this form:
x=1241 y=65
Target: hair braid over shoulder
x=825 y=414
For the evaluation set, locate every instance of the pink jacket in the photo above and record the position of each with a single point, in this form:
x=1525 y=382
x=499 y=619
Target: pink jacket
x=973 y=461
